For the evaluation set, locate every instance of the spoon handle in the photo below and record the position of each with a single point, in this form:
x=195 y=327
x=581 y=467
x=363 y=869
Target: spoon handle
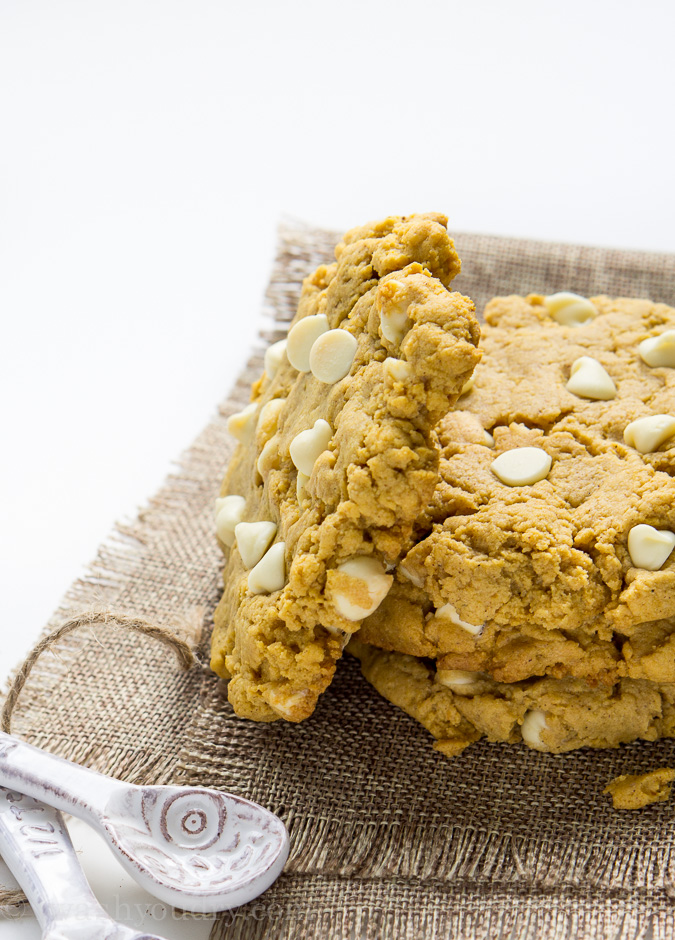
x=36 y=846
x=51 y=779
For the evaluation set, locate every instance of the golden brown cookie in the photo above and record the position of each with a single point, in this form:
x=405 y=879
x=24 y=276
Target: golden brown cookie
x=634 y=791
x=337 y=460
x=554 y=715
x=528 y=358
x=546 y=550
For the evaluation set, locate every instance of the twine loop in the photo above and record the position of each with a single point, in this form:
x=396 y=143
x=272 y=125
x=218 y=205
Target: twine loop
x=183 y=650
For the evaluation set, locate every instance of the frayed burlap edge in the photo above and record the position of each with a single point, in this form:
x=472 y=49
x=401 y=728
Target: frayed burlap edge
x=304 y=907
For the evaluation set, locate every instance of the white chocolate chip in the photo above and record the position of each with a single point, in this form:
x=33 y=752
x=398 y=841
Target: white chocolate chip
x=394 y=319
x=274 y=356
x=366 y=587
x=533 y=724
x=332 y=355
x=269 y=574
x=335 y=631
x=659 y=350
x=308 y=445
x=229 y=513
x=468 y=386
x=253 y=540
x=397 y=369
x=489 y=439
x=647 y=434
x=649 y=547
x=411 y=576
x=588 y=379
x=338 y=632
x=569 y=309
x=302 y=337
x=267 y=460
x=269 y=417
x=459 y=680
x=286 y=704
x=242 y=424
x=449 y=612
x=522 y=466
x=301 y=487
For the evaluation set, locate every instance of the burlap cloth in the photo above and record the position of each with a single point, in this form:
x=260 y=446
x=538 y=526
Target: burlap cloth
x=390 y=839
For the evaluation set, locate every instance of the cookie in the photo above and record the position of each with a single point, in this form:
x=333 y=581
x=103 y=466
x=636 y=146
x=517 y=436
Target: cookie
x=337 y=460
x=529 y=357
x=551 y=715
x=547 y=549
x=634 y=791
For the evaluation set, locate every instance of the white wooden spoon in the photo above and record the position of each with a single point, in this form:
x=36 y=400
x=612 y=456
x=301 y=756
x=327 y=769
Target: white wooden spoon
x=197 y=849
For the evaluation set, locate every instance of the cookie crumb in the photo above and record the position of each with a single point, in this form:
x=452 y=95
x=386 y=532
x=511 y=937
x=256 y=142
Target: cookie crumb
x=633 y=791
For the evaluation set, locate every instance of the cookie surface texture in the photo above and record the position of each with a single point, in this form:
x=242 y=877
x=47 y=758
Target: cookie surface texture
x=634 y=791
x=563 y=565
x=337 y=456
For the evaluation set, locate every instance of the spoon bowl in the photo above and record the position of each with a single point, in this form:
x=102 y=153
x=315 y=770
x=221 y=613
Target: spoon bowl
x=179 y=840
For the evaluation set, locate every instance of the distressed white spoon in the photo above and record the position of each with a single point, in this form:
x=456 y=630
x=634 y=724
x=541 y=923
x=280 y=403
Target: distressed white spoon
x=35 y=844
x=197 y=849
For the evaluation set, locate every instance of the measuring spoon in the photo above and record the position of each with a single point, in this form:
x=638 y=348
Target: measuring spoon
x=36 y=847
x=197 y=849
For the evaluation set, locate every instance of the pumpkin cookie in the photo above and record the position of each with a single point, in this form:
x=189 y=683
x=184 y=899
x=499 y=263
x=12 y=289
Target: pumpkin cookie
x=337 y=460
x=554 y=715
x=635 y=791
x=547 y=549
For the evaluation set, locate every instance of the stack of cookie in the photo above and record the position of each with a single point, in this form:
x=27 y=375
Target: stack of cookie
x=497 y=524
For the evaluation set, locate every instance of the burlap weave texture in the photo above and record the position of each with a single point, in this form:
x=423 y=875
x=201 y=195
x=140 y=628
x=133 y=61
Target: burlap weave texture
x=389 y=838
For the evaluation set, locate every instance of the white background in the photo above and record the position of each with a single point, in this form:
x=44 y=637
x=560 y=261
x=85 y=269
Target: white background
x=147 y=150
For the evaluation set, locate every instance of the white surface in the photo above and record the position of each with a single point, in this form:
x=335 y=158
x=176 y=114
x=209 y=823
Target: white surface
x=148 y=150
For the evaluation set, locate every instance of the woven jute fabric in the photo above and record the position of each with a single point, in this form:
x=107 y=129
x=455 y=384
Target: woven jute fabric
x=389 y=838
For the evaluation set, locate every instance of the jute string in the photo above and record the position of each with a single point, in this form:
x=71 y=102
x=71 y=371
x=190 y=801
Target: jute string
x=184 y=653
